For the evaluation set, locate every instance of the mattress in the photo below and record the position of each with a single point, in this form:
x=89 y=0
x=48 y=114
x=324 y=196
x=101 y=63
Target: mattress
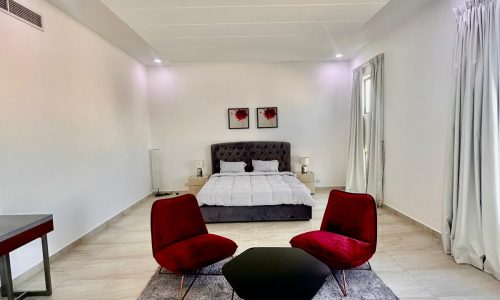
x=254 y=188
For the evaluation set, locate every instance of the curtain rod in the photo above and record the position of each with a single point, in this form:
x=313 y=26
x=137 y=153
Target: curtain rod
x=367 y=62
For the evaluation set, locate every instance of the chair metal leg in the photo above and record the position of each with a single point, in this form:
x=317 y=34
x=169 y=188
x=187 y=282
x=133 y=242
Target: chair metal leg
x=180 y=288
x=370 y=266
x=344 y=284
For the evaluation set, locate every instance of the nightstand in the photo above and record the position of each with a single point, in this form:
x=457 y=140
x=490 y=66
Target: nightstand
x=308 y=180
x=195 y=184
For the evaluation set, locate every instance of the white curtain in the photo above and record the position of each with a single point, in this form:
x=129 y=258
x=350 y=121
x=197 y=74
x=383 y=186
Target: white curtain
x=471 y=211
x=356 y=168
x=365 y=171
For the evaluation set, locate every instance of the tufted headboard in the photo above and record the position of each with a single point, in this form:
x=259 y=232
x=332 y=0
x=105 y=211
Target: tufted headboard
x=246 y=151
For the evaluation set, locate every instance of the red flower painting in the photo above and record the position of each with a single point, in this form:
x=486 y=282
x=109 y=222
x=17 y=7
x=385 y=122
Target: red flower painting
x=267 y=117
x=238 y=118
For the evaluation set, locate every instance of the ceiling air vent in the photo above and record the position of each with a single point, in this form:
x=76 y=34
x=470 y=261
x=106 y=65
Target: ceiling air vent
x=22 y=13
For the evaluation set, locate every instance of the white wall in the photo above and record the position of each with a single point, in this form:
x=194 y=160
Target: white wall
x=74 y=128
x=189 y=103
x=418 y=56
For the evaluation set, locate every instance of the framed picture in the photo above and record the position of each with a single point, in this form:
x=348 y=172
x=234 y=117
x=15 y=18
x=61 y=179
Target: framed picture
x=267 y=117
x=238 y=118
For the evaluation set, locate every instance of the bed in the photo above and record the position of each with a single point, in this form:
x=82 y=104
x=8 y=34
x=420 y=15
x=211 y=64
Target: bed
x=248 y=202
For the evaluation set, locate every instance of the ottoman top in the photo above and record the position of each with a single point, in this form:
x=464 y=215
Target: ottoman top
x=275 y=273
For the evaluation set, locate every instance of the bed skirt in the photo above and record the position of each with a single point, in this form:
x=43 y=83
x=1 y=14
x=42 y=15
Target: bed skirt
x=228 y=214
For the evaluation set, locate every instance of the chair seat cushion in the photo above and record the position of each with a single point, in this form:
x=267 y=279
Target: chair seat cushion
x=335 y=250
x=195 y=253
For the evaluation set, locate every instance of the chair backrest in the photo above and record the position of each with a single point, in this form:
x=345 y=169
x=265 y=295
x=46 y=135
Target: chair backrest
x=351 y=215
x=174 y=220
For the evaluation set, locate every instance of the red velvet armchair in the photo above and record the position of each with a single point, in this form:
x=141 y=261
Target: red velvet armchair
x=348 y=234
x=180 y=239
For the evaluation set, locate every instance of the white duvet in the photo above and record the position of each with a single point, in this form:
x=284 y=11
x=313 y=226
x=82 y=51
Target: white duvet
x=254 y=188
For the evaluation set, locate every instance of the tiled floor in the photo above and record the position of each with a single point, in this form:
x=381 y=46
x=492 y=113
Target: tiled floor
x=117 y=262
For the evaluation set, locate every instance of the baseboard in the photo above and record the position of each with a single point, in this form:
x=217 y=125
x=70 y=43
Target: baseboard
x=409 y=219
x=39 y=267
x=329 y=188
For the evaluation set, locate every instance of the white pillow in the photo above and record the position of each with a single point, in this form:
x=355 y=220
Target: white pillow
x=265 y=165
x=232 y=167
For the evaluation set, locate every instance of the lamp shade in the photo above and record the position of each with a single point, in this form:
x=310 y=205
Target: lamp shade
x=304 y=160
x=200 y=163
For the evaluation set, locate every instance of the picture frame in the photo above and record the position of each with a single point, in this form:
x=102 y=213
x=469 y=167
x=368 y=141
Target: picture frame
x=267 y=117
x=238 y=118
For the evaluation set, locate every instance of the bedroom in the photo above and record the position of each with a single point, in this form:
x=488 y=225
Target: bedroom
x=84 y=102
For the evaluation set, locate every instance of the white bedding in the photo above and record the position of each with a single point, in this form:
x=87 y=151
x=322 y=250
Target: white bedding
x=254 y=188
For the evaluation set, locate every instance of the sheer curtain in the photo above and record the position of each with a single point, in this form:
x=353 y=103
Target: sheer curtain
x=356 y=167
x=365 y=172
x=471 y=210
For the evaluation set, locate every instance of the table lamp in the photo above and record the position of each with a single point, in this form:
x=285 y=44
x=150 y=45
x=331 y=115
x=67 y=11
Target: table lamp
x=199 y=165
x=304 y=161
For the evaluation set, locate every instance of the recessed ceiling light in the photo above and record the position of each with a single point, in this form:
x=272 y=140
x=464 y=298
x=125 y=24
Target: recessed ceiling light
x=157 y=61
x=339 y=55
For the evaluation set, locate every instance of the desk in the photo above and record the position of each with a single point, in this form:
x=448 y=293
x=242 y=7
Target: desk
x=16 y=231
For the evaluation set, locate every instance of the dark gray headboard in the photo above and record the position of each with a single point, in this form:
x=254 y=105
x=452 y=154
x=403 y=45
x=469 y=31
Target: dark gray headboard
x=246 y=151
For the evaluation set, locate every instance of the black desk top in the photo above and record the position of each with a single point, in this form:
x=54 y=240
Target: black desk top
x=12 y=225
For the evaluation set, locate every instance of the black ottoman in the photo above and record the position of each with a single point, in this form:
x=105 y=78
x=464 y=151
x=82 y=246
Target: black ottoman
x=275 y=273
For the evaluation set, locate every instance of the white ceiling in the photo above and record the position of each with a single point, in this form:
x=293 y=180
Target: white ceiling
x=184 y=31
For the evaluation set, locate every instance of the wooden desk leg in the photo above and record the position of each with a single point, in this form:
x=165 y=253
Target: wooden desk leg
x=46 y=265
x=6 y=277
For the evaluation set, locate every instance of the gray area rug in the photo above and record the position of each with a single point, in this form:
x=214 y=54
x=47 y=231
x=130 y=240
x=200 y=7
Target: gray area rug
x=211 y=284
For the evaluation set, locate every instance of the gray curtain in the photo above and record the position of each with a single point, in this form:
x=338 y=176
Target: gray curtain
x=365 y=173
x=471 y=209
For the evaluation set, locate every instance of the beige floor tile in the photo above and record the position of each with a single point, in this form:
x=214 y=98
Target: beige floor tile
x=133 y=237
x=109 y=289
x=381 y=261
x=106 y=236
x=452 y=282
x=37 y=282
x=425 y=260
x=125 y=251
x=403 y=284
x=65 y=265
x=115 y=269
